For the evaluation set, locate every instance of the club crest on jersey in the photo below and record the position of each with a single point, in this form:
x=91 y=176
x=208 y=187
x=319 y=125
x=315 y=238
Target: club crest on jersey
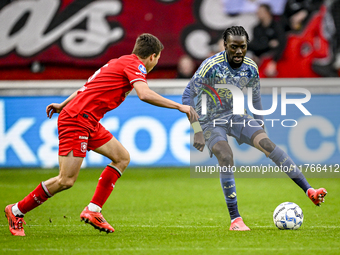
x=207 y=134
x=83 y=146
x=142 y=68
x=243 y=81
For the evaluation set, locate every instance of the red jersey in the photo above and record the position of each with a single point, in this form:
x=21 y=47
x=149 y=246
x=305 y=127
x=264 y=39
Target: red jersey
x=107 y=88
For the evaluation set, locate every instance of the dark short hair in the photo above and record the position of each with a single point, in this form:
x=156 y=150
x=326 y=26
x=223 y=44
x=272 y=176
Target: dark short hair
x=235 y=30
x=267 y=7
x=146 y=45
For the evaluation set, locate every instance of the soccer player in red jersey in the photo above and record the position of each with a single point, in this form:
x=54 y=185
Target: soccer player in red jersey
x=79 y=130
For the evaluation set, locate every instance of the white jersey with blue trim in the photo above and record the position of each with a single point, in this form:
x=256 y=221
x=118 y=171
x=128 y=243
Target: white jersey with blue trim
x=216 y=70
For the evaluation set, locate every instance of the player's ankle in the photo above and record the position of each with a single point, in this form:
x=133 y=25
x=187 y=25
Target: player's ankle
x=94 y=208
x=236 y=219
x=308 y=190
x=16 y=211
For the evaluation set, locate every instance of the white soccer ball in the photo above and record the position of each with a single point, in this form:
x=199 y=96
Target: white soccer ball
x=288 y=215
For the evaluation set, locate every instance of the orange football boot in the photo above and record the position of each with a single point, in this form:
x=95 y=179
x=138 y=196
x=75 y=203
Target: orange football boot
x=238 y=225
x=96 y=219
x=15 y=223
x=317 y=195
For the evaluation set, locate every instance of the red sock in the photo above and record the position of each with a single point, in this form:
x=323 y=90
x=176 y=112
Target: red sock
x=34 y=199
x=105 y=185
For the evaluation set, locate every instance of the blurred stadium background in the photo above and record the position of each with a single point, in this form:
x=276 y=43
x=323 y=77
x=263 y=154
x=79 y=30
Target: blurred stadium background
x=48 y=48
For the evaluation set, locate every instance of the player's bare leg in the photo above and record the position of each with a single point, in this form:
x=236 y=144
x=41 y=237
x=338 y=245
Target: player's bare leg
x=68 y=173
x=120 y=160
x=263 y=143
x=224 y=155
x=69 y=167
x=116 y=152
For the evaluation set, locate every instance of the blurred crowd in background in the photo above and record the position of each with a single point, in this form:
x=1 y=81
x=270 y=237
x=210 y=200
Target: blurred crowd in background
x=280 y=22
x=70 y=39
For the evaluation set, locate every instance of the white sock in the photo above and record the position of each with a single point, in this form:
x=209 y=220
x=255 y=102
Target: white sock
x=94 y=208
x=16 y=211
x=235 y=219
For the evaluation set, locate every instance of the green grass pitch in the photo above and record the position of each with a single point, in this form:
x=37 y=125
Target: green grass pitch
x=164 y=211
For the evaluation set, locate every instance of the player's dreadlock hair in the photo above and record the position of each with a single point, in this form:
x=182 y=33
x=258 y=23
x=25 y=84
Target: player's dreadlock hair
x=235 y=30
x=146 y=45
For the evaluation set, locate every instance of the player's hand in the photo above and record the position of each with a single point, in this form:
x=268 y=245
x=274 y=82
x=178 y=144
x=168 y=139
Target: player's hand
x=185 y=109
x=199 y=141
x=53 y=108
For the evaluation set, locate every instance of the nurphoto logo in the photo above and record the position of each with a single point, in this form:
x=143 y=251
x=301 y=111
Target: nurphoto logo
x=238 y=103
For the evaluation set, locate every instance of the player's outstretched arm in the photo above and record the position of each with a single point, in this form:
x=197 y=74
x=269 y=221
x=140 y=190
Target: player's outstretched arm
x=149 y=96
x=56 y=108
x=199 y=141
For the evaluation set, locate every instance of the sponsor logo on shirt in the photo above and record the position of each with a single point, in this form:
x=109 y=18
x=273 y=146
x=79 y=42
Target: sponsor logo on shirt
x=142 y=68
x=140 y=74
x=83 y=137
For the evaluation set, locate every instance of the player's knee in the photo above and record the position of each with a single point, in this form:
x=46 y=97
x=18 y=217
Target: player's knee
x=223 y=154
x=124 y=160
x=65 y=182
x=267 y=145
x=226 y=159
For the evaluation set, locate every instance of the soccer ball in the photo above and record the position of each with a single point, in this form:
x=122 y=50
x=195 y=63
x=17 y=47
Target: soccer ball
x=288 y=215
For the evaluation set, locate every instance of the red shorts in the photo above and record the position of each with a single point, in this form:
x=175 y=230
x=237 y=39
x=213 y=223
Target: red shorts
x=80 y=133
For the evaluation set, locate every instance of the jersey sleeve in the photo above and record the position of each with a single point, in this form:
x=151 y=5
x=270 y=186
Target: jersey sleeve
x=135 y=72
x=254 y=80
x=186 y=95
x=256 y=92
